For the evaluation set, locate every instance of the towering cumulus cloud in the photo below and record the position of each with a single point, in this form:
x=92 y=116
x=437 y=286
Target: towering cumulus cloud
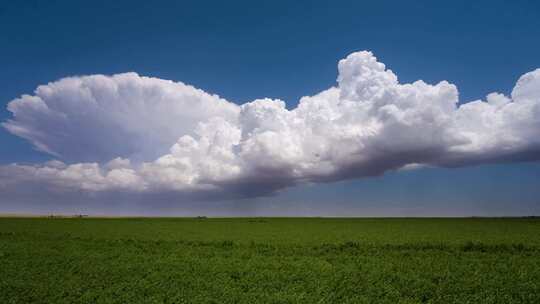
x=132 y=134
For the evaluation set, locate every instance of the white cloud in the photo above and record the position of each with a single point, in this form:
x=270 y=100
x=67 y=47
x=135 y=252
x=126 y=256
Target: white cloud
x=144 y=135
x=97 y=118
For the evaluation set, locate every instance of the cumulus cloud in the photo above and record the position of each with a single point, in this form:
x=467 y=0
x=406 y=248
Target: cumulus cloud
x=137 y=134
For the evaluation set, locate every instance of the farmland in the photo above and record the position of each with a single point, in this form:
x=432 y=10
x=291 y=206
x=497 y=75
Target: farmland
x=269 y=260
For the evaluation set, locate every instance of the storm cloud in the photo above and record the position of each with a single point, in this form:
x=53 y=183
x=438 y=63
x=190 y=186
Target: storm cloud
x=131 y=134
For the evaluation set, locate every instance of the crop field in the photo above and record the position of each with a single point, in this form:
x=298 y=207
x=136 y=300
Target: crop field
x=269 y=260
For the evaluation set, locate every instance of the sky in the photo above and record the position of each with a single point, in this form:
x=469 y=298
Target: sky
x=270 y=108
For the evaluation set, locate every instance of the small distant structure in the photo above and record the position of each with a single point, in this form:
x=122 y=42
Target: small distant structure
x=59 y=216
x=201 y=217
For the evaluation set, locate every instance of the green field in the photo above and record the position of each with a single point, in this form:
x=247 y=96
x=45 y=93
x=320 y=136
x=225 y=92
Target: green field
x=269 y=260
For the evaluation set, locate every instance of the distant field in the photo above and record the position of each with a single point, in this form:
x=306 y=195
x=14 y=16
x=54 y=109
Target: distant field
x=269 y=260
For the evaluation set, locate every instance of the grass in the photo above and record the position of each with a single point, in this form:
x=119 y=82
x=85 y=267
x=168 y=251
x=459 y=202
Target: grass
x=269 y=260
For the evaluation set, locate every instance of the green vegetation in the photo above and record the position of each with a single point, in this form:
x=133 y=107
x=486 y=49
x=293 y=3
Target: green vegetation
x=269 y=260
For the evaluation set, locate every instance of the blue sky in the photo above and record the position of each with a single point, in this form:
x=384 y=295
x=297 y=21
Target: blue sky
x=243 y=50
